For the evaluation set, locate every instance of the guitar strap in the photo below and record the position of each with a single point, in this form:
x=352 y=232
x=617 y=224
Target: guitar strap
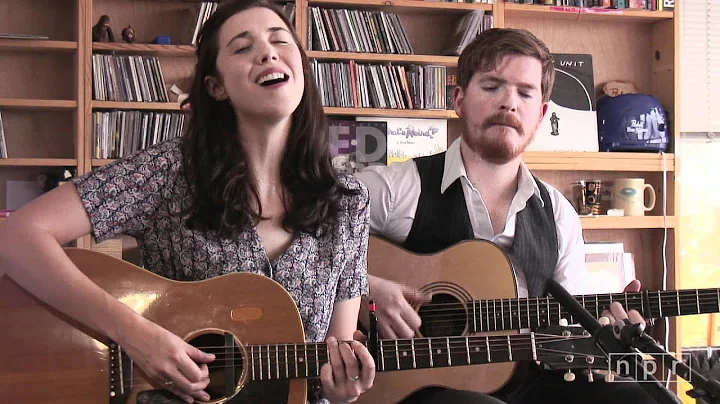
x=442 y=220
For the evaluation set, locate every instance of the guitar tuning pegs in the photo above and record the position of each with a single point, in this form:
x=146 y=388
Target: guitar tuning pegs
x=569 y=376
x=590 y=377
x=563 y=322
x=609 y=377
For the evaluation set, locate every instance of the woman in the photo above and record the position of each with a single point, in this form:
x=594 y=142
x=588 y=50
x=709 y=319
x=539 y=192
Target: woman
x=250 y=187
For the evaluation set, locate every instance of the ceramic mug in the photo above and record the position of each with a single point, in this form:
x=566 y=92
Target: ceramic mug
x=629 y=195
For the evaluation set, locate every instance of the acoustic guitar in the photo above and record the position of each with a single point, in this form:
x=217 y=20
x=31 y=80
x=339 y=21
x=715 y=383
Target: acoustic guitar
x=474 y=292
x=248 y=321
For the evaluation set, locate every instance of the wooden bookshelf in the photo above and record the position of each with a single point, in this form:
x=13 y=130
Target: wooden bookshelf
x=41 y=91
x=144 y=49
x=403 y=6
x=37 y=45
x=33 y=104
x=156 y=106
x=609 y=161
x=48 y=110
x=639 y=222
x=399 y=113
x=449 y=61
x=39 y=162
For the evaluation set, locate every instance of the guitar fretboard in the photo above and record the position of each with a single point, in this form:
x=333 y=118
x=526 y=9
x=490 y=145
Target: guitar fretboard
x=289 y=361
x=512 y=314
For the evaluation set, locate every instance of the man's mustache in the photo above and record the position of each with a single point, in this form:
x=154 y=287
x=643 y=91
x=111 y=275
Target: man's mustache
x=506 y=119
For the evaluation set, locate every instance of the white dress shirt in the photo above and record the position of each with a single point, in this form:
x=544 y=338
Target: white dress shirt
x=395 y=190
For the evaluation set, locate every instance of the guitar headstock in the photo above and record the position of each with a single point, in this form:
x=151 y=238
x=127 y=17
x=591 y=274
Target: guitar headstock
x=569 y=348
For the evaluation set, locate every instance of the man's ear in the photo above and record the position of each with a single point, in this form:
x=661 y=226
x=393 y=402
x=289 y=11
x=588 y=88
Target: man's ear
x=215 y=89
x=458 y=96
x=544 y=110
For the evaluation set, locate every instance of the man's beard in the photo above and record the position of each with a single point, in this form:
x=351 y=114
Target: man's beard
x=497 y=148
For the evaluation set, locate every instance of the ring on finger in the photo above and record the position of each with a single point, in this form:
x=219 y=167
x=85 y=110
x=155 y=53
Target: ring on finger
x=169 y=383
x=353 y=379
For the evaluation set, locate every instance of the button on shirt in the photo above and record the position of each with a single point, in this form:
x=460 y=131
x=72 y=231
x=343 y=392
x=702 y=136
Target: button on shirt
x=395 y=190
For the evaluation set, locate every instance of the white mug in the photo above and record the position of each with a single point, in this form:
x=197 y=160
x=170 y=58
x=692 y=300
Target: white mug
x=629 y=195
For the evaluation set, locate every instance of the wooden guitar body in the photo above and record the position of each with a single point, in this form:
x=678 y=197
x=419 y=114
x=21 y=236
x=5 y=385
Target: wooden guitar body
x=470 y=270
x=45 y=358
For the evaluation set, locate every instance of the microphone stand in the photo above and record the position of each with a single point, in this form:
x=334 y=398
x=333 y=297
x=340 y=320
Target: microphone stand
x=610 y=345
x=708 y=389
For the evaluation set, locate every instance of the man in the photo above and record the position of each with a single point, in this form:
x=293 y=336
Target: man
x=481 y=189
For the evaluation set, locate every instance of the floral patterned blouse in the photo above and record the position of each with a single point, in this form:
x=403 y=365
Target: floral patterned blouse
x=139 y=196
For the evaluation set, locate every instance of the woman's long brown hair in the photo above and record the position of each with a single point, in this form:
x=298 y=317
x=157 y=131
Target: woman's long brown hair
x=215 y=164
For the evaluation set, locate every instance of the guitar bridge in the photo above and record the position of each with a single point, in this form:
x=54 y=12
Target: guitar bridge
x=120 y=374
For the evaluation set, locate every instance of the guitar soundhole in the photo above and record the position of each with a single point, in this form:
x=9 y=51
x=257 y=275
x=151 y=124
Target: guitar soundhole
x=444 y=316
x=226 y=370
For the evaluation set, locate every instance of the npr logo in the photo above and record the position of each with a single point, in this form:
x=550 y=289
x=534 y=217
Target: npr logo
x=624 y=364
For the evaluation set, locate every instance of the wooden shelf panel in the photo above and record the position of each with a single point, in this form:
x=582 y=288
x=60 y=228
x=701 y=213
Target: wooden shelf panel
x=145 y=49
x=10 y=162
x=27 y=45
x=101 y=162
x=599 y=161
x=25 y=103
x=635 y=16
x=587 y=14
x=392 y=113
x=403 y=6
x=628 y=222
x=161 y=106
x=562 y=161
x=449 y=61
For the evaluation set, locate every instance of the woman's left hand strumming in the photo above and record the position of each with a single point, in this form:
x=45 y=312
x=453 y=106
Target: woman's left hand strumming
x=350 y=372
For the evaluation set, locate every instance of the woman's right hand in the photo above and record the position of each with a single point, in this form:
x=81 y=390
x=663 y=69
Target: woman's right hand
x=168 y=361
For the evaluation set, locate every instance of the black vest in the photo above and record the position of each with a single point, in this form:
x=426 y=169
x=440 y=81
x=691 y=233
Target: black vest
x=442 y=220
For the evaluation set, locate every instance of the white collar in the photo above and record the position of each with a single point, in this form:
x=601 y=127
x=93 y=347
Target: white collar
x=454 y=169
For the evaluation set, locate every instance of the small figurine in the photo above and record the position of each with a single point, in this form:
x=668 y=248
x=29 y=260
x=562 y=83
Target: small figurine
x=128 y=34
x=554 y=124
x=102 y=32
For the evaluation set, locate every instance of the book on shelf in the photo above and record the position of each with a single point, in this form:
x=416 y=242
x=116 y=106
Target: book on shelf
x=609 y=267
x=407 y=138
x=3 y=144
x=344 y=30
x=465 y=1
x=355 y=145
x=364 y=141
x=118 y=134
x=349 y=84
x=570 y=123
x=650 y=5
x=128 y=78
x=23 y=36
x=469 y=26
x=207 y=8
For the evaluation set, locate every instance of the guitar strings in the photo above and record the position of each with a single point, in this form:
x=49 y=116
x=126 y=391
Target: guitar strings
x=420 y=354
x=623 y=296
x=495 y=340
x=422 y=350
x=430 y=310
x=530 y=304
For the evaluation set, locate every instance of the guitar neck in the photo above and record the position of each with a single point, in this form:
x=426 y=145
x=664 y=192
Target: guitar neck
x=290 y=361
x=509 y=314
